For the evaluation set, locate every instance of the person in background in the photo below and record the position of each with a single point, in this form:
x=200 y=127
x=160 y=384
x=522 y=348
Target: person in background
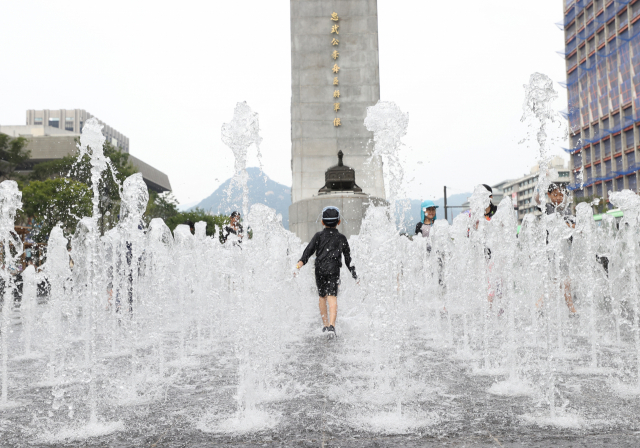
x=556 y=195
x=234 y=228
x=491 y=209
x=428 y=217
x=556 y=204
x=329 y=246
x=192 y=226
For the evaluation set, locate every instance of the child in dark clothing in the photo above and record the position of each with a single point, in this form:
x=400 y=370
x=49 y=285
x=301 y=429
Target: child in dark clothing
x=329 y=246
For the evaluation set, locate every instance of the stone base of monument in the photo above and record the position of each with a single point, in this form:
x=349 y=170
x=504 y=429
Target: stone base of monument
x=305 y=215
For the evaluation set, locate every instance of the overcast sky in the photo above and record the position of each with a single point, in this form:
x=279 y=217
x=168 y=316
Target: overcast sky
x=168 y=75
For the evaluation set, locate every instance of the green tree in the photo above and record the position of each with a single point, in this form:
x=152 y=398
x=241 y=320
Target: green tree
x=161 y=205
x=196 y=215
x=600 y=208
x=55 y=200
x=12 y=155
x=79 y=169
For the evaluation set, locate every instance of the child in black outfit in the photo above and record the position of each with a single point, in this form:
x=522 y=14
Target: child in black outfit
x=329 y=246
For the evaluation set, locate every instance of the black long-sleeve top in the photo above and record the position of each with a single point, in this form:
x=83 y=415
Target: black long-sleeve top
x=329 y=246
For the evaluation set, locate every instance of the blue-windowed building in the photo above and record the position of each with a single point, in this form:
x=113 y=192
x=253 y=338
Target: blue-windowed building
x=602 y=51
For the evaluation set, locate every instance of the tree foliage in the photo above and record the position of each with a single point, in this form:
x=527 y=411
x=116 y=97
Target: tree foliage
x=12 y=155
x=601 y=207
x=161 y=205
x=79 y=169
x=55 y=200
x=196 y=215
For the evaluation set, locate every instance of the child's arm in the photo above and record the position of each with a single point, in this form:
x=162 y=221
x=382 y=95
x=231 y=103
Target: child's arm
x=346 y=251
x=308 y=251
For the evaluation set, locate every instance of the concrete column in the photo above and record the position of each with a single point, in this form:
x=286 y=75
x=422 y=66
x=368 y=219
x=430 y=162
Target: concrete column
x=315 y=140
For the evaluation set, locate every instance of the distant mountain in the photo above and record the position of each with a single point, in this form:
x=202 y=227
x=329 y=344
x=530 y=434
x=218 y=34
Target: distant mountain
x=262 y=190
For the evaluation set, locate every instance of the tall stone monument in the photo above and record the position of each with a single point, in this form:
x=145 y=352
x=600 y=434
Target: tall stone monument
x=334 y=78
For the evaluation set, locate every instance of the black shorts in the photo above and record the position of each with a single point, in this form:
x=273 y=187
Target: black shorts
x=327 y=284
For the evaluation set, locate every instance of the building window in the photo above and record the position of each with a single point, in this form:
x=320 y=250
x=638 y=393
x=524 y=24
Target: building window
x=633 y=182
x=37 y=120
x=599 y=190
x=616 y=121
x=54 y=122
x=607 y=167
x=618 y=164
x=575 y=141
x=596 y=148
x=587 y=156
x=607 y=147
x=617 y=141
x=631 y=160
x=608 y=187
x=577 y=160
x=68 y=124
x=620 y=184
x=629 y=137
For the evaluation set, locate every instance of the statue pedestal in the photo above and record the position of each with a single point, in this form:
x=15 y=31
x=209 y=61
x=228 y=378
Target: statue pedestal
x=305 y=219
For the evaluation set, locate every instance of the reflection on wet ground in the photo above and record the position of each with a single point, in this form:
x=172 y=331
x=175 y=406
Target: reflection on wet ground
x=326 y=393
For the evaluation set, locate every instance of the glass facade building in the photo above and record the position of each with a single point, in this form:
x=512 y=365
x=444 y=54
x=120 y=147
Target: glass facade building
x=602 y=51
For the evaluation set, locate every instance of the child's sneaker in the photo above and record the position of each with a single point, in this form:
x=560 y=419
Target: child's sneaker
x=331 y=332
x=324 y=329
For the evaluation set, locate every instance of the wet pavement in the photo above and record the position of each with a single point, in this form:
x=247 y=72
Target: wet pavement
x=330 y=394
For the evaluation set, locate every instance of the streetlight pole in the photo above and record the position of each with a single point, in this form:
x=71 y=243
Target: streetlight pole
x=445 y=204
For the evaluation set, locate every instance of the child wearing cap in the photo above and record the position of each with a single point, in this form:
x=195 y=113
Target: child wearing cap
x=329 y=245
x=428 y=215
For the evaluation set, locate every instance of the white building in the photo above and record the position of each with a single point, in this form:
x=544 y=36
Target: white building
x=522 y=190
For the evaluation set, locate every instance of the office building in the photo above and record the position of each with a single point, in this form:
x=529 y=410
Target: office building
x=72 y=120
x=602 y=53
x=48 y=143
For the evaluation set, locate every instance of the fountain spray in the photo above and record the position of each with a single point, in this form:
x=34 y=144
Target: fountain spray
x=10 y=250
x=388 y=124
x=239 y=134
x=539 y=94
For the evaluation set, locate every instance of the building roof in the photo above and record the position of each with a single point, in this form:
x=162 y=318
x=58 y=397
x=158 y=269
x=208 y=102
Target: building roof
x=154 y=178
x=46 y=145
